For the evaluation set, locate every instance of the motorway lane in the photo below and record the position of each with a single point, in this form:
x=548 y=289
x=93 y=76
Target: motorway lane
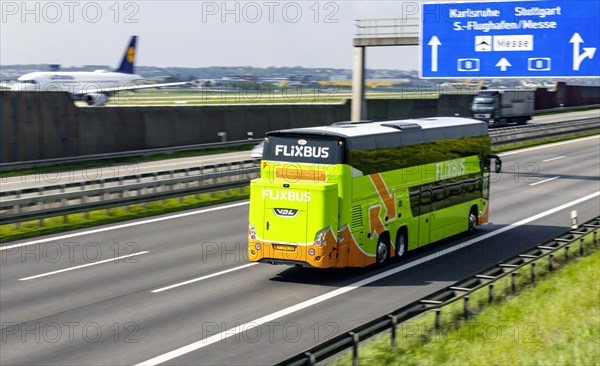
x=549 y=118
x=100 y=296
x=127 y=170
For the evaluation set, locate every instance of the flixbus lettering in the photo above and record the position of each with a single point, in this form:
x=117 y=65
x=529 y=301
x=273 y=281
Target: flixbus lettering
x=450 y=169
x=280 y=195
x=303 y=151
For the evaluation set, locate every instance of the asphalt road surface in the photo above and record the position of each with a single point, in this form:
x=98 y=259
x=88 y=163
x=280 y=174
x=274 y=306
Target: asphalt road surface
x=177 y=289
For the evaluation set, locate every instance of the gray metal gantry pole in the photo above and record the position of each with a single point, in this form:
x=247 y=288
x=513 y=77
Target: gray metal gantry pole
x=359 y=105
x=374 y=33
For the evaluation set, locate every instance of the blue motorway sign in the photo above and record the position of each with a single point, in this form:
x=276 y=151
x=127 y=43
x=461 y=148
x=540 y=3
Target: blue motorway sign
x=547 y=38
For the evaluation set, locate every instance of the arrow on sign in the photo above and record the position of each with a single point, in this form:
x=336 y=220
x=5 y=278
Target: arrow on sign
x=588 y=52
x=503 y=64
x=434 y=42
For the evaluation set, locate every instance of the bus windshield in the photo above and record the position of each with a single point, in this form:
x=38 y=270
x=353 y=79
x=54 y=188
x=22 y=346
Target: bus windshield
x=298 y=149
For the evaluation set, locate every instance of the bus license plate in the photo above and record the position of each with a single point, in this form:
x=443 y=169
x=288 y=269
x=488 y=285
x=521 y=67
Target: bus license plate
x=287 y=248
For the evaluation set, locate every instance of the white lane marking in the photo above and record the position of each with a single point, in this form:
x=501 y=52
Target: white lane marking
x=150 y=221
x=545 y=180
x=204 y=277
x=82 y=266
x=327 y=296
x=556 y=158
x=549 y=145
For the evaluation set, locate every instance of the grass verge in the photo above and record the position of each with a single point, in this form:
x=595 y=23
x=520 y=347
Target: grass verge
x=555 y=322
x=27 y=229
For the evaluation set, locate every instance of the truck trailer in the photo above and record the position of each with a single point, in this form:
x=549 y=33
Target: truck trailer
x=500 y=107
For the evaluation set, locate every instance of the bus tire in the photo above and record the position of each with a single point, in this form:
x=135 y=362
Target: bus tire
x=401 y=243
x=472 y=220
x=382 y=252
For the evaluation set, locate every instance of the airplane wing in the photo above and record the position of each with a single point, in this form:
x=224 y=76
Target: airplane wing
x=131 y=87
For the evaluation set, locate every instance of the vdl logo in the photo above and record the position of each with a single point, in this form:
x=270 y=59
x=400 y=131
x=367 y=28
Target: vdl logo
x=285 y=212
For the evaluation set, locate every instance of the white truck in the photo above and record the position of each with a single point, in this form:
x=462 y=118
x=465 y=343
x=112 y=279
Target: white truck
x=502 y=106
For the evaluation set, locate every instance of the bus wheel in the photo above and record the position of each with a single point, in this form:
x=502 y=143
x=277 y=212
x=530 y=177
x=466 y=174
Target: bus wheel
x=383 y=252
x=401 y=244
x=472 y=221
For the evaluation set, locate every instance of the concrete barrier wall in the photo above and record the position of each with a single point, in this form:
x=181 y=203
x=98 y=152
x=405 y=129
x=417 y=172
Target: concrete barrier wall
x=48 y=125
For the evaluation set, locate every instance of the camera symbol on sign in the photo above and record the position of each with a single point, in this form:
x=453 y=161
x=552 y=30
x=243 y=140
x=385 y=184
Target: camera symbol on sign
x=538 y=64
x=468 y=64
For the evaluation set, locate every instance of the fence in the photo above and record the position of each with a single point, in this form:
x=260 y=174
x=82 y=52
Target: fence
x=459 y=291
x=38 y=205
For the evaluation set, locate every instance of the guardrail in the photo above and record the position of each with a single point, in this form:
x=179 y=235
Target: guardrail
x=124 y=154
x=459 y=291
x=21 y=209
x=198 y=171
x=509 y=135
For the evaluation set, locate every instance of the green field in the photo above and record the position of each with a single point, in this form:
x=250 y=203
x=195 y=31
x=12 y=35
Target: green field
x=200 y=96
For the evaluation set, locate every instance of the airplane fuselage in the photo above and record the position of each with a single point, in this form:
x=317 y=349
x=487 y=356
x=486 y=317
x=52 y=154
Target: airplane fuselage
x=77 y=83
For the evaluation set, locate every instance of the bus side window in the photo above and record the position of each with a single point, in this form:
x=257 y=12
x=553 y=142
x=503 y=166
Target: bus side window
x=471 y=187
x=415 y=202
x=438 y=198
x=425 y=206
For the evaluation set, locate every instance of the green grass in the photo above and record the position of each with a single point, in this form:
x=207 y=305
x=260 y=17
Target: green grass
x=556 y=322
x=28 y=229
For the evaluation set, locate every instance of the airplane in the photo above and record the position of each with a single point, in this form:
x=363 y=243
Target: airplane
x=93 y=87
x=534 y=85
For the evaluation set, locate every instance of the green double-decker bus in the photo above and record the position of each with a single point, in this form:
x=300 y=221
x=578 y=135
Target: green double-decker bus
x=359 y=193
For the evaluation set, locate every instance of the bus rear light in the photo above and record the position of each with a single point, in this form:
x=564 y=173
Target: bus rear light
x=311 y=251
x=251 y=232
x=258 y=246
x=320 y=237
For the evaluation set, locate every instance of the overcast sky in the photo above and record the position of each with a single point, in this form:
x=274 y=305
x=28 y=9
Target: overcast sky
x=197 y=33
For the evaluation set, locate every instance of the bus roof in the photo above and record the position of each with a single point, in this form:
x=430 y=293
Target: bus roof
x=470 y=127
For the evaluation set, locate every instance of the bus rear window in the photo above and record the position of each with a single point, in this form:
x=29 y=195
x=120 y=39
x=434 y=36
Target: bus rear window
x=303 y=150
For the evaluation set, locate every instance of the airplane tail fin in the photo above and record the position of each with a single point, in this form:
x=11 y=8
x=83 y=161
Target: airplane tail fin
x=128 y=58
